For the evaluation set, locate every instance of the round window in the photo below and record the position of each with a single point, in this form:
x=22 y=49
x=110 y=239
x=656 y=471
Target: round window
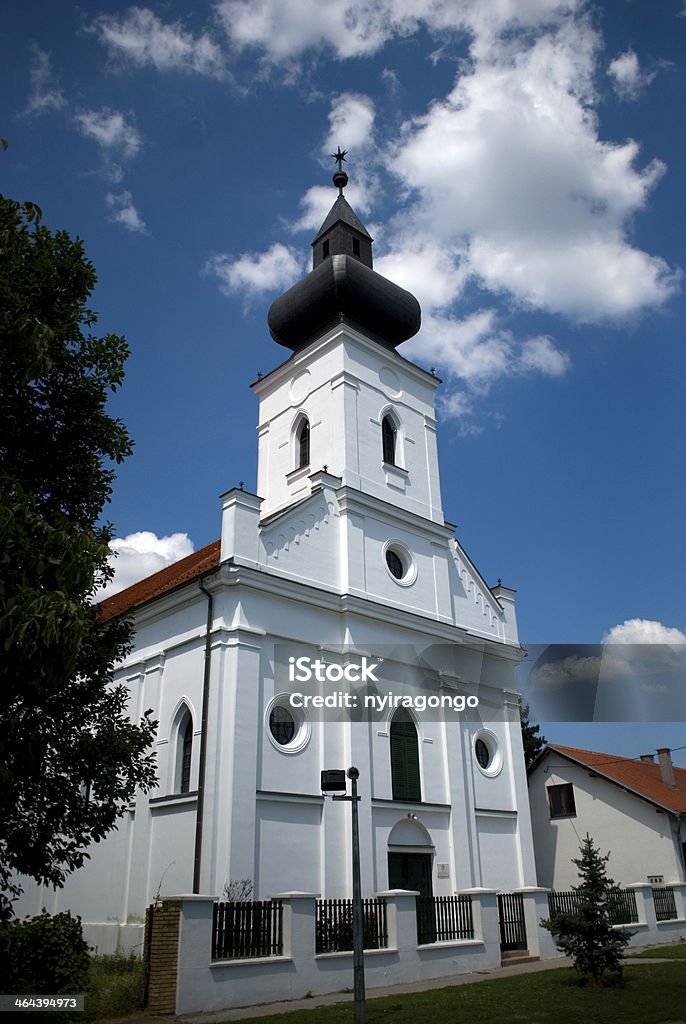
x=394 y=564
x=487 y=753
x=281 y=725
x=483 y=754
x=287 y=727
x=400 y=563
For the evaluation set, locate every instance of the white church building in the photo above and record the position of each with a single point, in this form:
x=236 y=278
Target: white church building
x=344 y=558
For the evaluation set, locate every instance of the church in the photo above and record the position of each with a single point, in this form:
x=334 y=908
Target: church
x=336 y=622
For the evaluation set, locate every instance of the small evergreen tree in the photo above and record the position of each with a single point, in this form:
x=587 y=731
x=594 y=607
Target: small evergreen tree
x=587 y=934
x=531 y=741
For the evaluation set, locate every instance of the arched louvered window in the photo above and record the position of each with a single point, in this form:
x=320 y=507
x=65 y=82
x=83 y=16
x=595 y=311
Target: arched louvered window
x=405 y=758
x=185 y=753
x=303 y=439
x=388 y=438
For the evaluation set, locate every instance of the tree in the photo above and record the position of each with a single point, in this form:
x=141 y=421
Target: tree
x=533 y=743
x=587 y=934
x=70 y=757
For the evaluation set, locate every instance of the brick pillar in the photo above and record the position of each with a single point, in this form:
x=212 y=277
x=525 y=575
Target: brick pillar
x=162 y=956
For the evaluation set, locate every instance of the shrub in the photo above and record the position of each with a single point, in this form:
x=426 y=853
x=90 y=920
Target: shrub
x=44 y=955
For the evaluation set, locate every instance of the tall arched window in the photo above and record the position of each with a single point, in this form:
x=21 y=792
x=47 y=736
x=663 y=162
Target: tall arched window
x=388 y=438
x=184 y=753
x=303 y=444
x=405 y=758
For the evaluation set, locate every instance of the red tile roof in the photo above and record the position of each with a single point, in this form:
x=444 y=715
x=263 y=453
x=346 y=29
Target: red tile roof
x=640 y=776
x=162 y=582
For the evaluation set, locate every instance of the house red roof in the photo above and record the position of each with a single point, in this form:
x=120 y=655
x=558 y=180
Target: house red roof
x=188 y=568
x=639 y=776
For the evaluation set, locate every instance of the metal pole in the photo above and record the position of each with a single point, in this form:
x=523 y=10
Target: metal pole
x=358 y=918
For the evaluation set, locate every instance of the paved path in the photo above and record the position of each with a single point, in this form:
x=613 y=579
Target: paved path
x=294 y=1005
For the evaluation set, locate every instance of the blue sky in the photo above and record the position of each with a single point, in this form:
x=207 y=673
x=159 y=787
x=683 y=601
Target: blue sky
x=520 y=164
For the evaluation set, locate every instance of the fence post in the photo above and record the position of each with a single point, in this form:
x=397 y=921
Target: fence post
x=539 y=940
x=299 y=917
x=485 y=914
x=194 y=949
x=679 y=899
x=163 y=957
x=401 y=906
x=646 y=927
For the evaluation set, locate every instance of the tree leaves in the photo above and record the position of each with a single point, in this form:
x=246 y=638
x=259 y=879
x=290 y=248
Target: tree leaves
x=70 y=756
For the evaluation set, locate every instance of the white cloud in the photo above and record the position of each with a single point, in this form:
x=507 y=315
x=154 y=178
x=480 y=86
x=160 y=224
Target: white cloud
x=44 y=93
x=355 y=28
x=256 y=273
x=644 y=631
x=510 y=169
x=111 y=130
x=478 y=351
x=141 y=554
x=140 y=37
x=351 y=120
x=628 y=80
x=124 y=212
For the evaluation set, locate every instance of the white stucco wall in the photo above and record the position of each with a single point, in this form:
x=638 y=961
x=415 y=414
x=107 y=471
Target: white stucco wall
x=639 y=838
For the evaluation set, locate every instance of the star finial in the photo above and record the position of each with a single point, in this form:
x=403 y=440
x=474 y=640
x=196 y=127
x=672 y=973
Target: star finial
x=340 y=178
x=339 y=156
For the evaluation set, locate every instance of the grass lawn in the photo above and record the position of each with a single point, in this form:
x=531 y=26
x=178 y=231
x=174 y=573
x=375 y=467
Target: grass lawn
x=677 y=951
x=650 y=994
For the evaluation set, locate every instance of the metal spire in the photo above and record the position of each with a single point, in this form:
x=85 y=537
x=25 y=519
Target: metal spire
x=340 y=178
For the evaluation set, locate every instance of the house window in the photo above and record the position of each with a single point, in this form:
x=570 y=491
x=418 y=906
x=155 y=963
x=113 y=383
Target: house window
x=561 y=801
x=405 y=758
x=304 y=444
x=325 y=249
x=356 y=247
x=388 y=437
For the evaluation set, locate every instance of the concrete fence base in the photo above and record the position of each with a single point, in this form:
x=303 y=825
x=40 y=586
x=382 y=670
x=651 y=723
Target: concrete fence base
x=183 y=978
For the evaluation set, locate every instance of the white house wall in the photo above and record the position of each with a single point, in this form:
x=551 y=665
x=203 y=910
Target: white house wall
x=638 y=837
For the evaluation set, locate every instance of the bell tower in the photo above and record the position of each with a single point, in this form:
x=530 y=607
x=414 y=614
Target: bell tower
x=345 y=397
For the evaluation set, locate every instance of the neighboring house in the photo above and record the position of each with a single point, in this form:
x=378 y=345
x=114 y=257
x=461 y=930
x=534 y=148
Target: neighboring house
x=345 y=554
x=633 y=809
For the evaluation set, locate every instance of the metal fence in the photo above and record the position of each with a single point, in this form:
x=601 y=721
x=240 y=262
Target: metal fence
x=444 y=919
x=665 y=904
x=621 y=905
x=247 y=929
x=334 y=925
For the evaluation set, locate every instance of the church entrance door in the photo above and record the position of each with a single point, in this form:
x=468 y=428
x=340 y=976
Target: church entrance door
x=410 y=871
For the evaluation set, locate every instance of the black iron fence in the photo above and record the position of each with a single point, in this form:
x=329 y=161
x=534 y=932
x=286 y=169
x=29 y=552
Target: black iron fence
x=444 y=919
x=665 y=904
x=247 y=929
x=621 y=905
x=334 y=925
x=511 y=922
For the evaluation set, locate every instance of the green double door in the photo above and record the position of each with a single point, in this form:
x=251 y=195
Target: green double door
x=410 y=871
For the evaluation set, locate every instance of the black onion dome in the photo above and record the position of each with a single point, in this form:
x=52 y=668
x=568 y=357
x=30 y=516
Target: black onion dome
x=343 y=289
x=343 y=286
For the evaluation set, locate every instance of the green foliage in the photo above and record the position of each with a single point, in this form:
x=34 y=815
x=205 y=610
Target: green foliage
x=115 y=986
x=587 y=935
x=70 y=758
x=533 y=743
x=44 y=955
